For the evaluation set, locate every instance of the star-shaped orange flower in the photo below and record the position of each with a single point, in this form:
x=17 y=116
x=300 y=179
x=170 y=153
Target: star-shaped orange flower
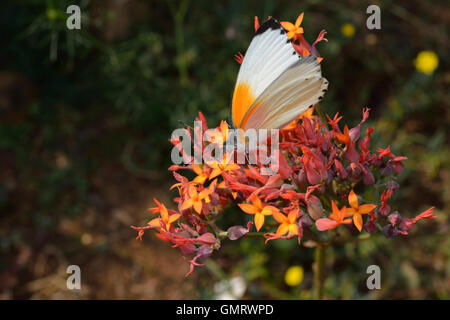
x=292 y=29
x=165 y=218
x=287 y=223
x=259 y=210
x=202 y=173
x=337 y=218
x=195 y=199
x=358 y=210
x=220 y=167
x=344 y=137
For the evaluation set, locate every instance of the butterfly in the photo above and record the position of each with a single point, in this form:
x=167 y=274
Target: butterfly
x=275 y=84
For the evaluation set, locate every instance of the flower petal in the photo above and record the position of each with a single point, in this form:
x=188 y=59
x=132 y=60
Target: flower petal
x=324 y=224
x=282 y=229
x=198 y=206
x=350 y=211
x=155 y=223
x=186 y=204
x=358 y=221
x=292 y=216
x=197 y=169
x=299 y=20
x=164 y=213
x=192 y=191
x=248 y=208
x=174 y=217
x=257 y=202
x=201 y=178
x=353 y=200
x=204 y=193
x=287 y=25
x=269 y=210
x=279 y=216
x=366 y=208
x=293 y=228
x=259 y=221
x=232 y=166
x=216 y=171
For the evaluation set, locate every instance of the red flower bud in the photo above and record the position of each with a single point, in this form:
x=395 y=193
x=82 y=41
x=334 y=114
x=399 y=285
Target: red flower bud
x=315 y=208
x=340 y=169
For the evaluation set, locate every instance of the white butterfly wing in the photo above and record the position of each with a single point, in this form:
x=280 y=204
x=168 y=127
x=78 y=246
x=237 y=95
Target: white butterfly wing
x=269 y=54
x=287 y=97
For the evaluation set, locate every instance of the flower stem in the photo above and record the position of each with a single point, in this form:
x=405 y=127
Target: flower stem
x=319 y=262
x=178 y=16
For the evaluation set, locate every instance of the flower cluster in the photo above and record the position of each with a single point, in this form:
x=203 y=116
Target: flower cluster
x=321 y=169
x=328 y=178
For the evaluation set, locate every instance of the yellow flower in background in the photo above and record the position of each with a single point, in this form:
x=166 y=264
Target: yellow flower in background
x=52 y=14
x=293 y=276
x=426 y=61
x=348 y=30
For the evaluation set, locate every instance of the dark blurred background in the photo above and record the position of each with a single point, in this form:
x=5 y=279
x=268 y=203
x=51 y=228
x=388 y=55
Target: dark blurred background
x=85 y=118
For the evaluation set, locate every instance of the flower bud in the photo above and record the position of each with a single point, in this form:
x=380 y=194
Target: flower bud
x=354 y=133
x=393 y=185
x=387 y=169
x=315 y=208
x=368 y=177
x=305 y=221
x=370 y=226
x=384 y=210
x=301 y=179
x=406 y=224
x=395 y=218
x=389 y=231
x=340 y=169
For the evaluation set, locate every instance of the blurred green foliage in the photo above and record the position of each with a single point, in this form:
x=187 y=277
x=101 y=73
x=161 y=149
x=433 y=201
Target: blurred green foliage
x=81 y=110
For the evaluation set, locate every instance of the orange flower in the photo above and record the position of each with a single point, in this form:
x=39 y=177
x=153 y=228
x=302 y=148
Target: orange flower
x=220 y=167
x=202 y=173
x=357 y=210
x=259 y=210
x=196 y=199
x=344 y=137
x=291 y=29
x=224 y=130
x=287 y=224
x=220 y=134
x=307 y=114
x=165 y=218
x=337 y=218
x=256 y=23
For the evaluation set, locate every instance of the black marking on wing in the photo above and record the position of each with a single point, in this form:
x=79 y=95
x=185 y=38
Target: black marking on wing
x=269 y=24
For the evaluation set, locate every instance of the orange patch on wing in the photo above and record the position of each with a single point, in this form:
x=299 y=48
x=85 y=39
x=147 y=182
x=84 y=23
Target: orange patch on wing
x=244 y=121
x=242 y=100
